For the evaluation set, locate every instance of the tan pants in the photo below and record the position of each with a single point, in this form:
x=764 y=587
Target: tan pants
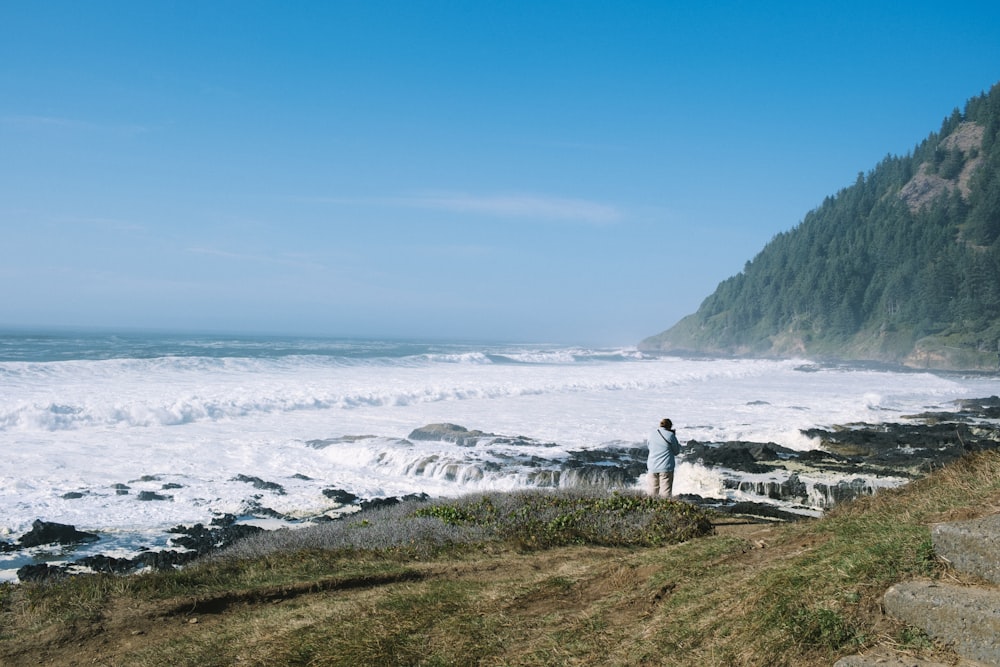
x=661 y=484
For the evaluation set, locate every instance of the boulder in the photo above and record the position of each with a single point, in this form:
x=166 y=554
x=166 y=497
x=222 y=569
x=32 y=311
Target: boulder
x=152 y=495
x=459 y=435
x=258 y=483
x=340 y=496
x=45 y=532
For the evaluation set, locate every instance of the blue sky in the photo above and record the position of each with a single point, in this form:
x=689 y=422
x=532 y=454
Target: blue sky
x=580 y=172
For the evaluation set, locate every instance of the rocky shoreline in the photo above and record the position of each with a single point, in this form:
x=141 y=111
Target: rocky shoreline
x=772 y=482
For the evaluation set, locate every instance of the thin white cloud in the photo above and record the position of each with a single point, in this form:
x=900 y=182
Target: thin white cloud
x=297 y=261
x=38 y=121
x=510 y=206
x=518 y=206
x=103 y=223
x=42 y=121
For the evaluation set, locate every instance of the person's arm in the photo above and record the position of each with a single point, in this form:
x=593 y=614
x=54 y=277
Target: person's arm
x=675 y=445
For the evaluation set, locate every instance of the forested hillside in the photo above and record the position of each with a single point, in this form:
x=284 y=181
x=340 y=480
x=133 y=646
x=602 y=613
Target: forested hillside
x=903 y=265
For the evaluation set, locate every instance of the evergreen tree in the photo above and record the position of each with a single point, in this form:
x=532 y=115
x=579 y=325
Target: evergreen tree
x=872 y=271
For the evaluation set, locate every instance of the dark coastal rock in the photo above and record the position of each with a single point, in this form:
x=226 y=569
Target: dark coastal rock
x=865 y=452
x=258 y=483
x=163 y=560
x=107 y=564
x=791 y=489
x=909 y=447
x=980 y=408
x=737 y=456
x=71 y=495
x=606 y=468
x=198 y=539
x=377 y=503
x=153 y=495
x=843 y=490
x=759 y=510
x=252 y=507
x=463 y=437
x=171 y=485
x=45 y=532
x=322 y=444
x=224 y=520
x=459 y=435
x=204 y=540
x=340 y=496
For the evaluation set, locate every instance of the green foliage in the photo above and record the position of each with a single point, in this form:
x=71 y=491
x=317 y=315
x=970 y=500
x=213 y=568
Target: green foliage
x=539 y=519
x=876 y=269
x=530 y=519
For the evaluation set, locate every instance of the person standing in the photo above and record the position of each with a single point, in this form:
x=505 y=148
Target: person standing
x=663 y=448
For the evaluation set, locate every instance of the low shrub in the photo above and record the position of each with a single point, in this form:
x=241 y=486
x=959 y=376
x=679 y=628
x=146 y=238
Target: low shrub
x=544 y=519
x=529 y=519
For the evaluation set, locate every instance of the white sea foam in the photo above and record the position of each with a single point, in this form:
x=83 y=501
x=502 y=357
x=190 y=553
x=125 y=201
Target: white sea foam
x=195 y=423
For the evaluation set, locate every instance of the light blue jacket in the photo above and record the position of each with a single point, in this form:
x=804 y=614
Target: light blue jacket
x=663 y=447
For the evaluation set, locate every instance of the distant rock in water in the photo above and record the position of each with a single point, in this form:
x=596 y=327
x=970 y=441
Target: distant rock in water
x=340 y=496
x=45 y=532
x=449 y=433
x=464 y=437
x=258 y=483
x=153 y=495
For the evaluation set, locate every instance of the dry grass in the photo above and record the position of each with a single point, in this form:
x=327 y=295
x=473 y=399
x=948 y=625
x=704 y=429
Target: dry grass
x=801 y=594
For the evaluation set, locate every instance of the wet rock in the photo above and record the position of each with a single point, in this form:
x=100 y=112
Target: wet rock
x=163 y=560
x=459 y=435
x=761 y=510
x=377 y=503
x=45 y=532
x=748 y=457
x=153 y=495
x=224 y=520
x=107 y=564
x=791 y=489
x=831 y=494
x=204 y=540
x=258 y=483
x=340 y=496
x=464 y=437
x=906 y=446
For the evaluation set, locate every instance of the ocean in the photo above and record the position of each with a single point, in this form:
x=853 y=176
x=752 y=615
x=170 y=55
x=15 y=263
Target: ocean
x=129 y=434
